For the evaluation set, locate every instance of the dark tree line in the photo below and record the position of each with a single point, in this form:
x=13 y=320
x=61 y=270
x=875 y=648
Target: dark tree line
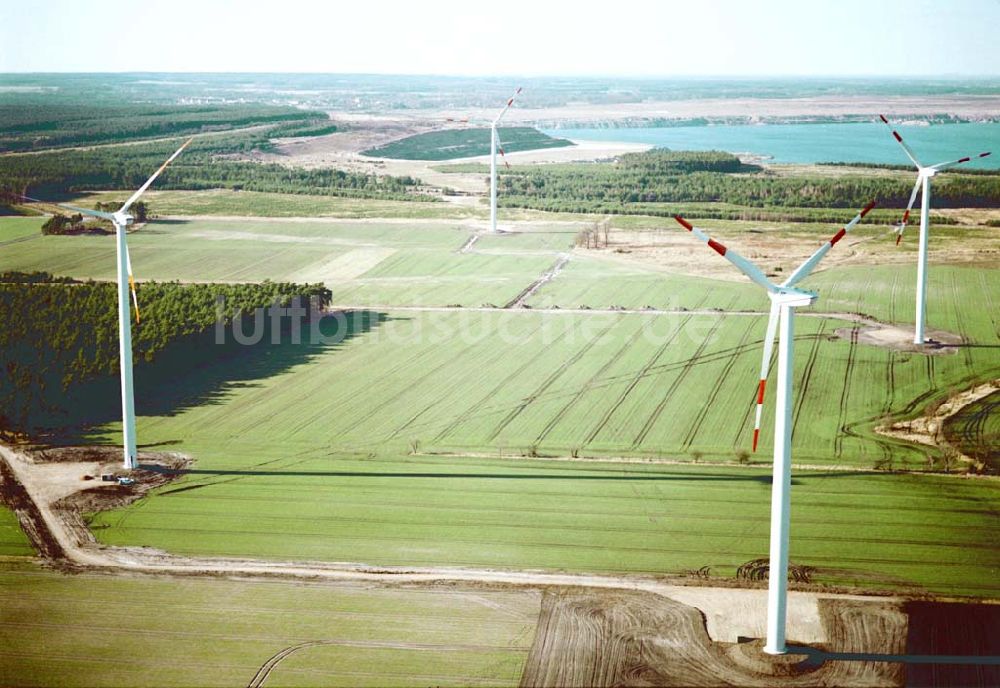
x=202 y=166
x=34 y=123
x=635 y=181
x=59 y=334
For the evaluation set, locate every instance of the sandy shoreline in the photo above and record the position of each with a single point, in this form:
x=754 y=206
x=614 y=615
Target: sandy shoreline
x=971 y=107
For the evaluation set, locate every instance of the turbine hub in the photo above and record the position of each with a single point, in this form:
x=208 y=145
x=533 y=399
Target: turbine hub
x=793 y=297
x=123 y=219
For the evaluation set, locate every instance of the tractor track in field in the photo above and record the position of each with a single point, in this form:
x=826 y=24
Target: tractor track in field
x=800 y=396
x=692 y=431
x=970 y=428
x=469 y=243
x=274 y=660
x=549 y=381
x=845 y=392
x=838 y=443
x=427 y=375
x=407 y=364
x=990 y=307
x=588 y=385
x=470 y=411
x=385 y=374
x=542 y=280
x=636 y=379
x=685 y=369
x=413 y=419
x=20 y=239
x=966 y=351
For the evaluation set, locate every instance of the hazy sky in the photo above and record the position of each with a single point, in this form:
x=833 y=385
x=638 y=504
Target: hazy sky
x=625 y=37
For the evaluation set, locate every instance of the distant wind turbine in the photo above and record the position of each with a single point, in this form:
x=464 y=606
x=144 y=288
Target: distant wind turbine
x=496 y=144
x=126 y=282
x=924 y=174
x=784 y=299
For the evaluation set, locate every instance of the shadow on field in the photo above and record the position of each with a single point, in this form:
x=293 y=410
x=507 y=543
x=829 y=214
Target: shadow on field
x=646 y=476
x=199 y=370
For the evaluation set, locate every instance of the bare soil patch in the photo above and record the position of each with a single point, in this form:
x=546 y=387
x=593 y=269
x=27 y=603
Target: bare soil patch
x=900 y=338
x=65 y=483
x=602 y=638
x=929 y=428
x=777 y=249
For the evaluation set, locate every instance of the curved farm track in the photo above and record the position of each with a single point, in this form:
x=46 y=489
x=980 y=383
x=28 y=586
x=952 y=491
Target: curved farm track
x=975 y=430
x=620 y=638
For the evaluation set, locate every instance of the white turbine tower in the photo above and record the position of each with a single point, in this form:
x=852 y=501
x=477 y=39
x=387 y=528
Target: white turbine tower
x=494 y=145
x=784 y=299
x=121 y=220
x=923 y=184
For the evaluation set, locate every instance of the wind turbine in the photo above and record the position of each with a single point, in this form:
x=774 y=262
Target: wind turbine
x=126 y=282
x=785 y=297
x=924 y=174
x=495 y=143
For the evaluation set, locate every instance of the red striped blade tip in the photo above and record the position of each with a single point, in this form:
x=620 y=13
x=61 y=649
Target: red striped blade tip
x=684 y=223
x=867 y=208
x=882 y=117
x=719 y=248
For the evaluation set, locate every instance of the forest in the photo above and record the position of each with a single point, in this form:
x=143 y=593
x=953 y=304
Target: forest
x=203 y=165
x=637 y=182
x=36 y=122
x=60 y=333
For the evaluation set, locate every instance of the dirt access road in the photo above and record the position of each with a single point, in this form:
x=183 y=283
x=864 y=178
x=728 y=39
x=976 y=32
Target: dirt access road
x=594 y=630
x=50 y=487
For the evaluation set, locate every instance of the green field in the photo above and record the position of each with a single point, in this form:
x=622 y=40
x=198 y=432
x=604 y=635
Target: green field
x=304 y=447
x=94 y=630
x=915 y=533
x=451 y=144
x=16 y=229
x=13 y=541
x=262 y=204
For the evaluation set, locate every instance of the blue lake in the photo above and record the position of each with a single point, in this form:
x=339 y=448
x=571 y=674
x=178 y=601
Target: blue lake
x=809 y=143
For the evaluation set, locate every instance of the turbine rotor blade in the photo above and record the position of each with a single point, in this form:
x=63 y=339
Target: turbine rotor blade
x=82 y=211
x=901 y=227
x=156 y=174
x=510 y=101
x=953 y=163
x=899 y=139
x=765 y=366
x=744 y=265
x=131 y=282
x=500 y=148
x=803 y=270
x=88 y=211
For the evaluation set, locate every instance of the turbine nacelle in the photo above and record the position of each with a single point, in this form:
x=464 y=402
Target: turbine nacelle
x=793 y=298
x=122 y=219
